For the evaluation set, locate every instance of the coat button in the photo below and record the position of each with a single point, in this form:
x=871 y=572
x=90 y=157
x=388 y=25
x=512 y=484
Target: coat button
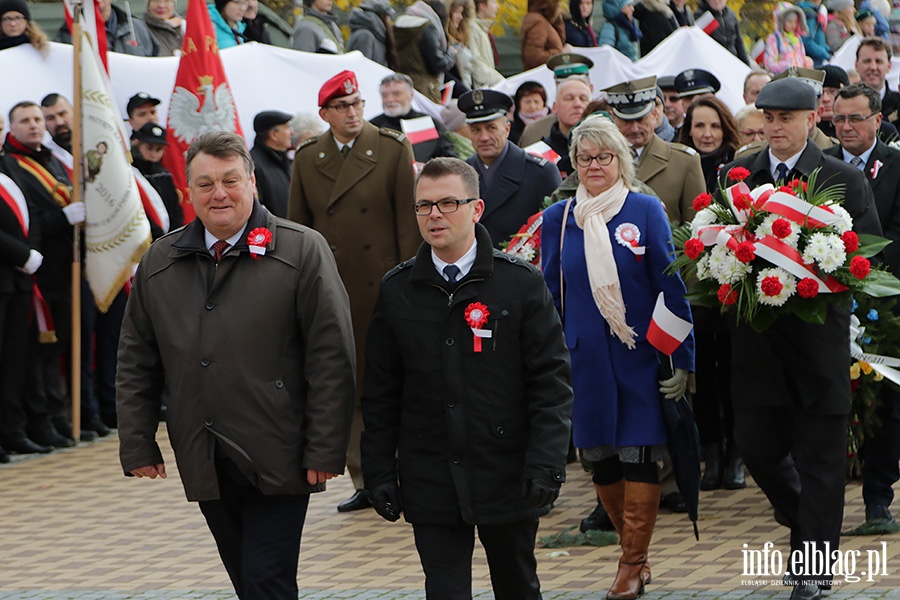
x=500 y=430
x=209 y=423
x=367 y=246
x=210 y=306
x=455 y=460
x=330 y=211
x=450 y=341
x=279 y=384
x=364 y=209
x=333 y=247
x=504 y=312
x=451 y=404
x=204 y=362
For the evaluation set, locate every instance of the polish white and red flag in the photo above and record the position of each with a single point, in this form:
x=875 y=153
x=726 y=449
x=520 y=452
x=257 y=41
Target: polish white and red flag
x=707 y=22
x=667 y=330
x=758 y=51
x=541 y=149
x=420 y=129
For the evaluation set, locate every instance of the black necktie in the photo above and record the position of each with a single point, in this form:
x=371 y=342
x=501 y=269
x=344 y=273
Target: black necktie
x=345 y=151
x=781 y=172
x=451 y=272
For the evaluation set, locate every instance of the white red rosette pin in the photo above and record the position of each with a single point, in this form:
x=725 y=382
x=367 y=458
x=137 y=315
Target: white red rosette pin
x=628 y=235
x=476 y=317
x=257 y=240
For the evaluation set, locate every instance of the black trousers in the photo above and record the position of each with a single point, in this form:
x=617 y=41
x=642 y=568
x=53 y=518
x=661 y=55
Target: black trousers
x=712 y=401
x=258 y=536
x=446 y=555
x=99 y=345
x=881 y=452
x=14 y=352
x=798 y=458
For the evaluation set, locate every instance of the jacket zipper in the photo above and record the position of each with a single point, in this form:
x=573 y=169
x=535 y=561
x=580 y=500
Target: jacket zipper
x=451 y=294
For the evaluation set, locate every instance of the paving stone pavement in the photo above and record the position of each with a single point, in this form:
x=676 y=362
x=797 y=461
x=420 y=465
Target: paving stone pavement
x=72 y=527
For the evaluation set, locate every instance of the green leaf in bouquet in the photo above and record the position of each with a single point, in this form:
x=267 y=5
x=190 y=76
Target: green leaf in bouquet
x=703 y=293
x=811 y=310
x=870 y=245
x=880 y=284
x=819 y=193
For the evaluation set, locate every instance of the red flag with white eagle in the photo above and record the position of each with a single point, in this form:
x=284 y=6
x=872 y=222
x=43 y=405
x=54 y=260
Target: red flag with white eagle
x=202 y=100
x=667 y=330
x=707 y=22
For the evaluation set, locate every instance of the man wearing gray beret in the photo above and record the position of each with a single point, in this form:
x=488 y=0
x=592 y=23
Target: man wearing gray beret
x=791 y=429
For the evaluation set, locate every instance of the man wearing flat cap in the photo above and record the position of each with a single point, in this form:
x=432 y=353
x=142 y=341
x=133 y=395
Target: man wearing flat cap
x=273 y=167
x=671 y=170
x=354 y=185
x=566 y=66
x=792 y=432
x=513 y=182
x=814 y=78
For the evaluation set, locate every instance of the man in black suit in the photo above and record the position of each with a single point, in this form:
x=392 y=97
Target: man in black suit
x=270 y=155
x=857 y=117
x=791 y=429
x=513 y=183
x=428 y=136
x=873 y=62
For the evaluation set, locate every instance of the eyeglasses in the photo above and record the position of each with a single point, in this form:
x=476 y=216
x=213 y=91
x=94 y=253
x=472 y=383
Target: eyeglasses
x=854 y=119
x=749 y=133
x=603 y=159
x=15 y=19
x=445 y=206
x=343 y=109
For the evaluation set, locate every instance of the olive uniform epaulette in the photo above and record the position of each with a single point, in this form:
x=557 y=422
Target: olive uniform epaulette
x=392 y=133
x=307 y=142
x=686 y=149
x=748 y=149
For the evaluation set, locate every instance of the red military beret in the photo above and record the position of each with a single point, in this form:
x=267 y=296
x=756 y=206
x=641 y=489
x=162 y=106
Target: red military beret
x=342 y=84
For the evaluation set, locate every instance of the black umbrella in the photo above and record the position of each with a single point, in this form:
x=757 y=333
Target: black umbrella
x=683 y=444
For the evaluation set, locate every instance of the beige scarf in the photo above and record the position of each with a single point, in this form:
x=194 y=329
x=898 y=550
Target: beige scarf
x=592 y=214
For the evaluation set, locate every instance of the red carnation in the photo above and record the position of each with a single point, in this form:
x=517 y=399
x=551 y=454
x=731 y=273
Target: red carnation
x=786 y=189
x=693 y=248
x=860 y=267
x=738 y=174
x=808 y=288
x=743 y=201
x=796 y=183
x=781 y=228
x=771 y=286
x=851 y=241
x=702 y=201
x=727 y=295
x=745 y=252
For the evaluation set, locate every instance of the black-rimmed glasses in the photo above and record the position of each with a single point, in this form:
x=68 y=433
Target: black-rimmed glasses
x=445 y=206
x=603 y=159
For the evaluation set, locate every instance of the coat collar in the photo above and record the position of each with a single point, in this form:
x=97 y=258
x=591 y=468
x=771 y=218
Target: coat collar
x=506 y=180
x=809 y=160
x=191 y=239
x=424 y=273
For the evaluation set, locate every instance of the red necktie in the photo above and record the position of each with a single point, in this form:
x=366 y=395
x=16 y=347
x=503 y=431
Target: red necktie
x=219 y=249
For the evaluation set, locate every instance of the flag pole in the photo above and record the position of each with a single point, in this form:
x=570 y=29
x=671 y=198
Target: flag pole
x=75 y=372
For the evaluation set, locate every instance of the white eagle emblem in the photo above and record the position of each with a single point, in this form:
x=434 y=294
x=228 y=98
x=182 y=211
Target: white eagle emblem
x=188 y=119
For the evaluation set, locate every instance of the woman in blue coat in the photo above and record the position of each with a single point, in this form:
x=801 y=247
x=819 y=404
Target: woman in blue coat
x=605 y=278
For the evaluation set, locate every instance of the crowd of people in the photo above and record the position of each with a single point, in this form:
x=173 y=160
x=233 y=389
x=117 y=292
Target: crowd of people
x=401 y=221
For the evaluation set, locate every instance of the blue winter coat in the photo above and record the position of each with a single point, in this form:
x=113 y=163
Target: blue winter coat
x=617 y=398
x=816 y=47
x=225 y=35
x=613 y=34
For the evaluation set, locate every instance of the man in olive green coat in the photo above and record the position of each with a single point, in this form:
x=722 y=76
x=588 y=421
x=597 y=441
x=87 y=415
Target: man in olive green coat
x=354 y=185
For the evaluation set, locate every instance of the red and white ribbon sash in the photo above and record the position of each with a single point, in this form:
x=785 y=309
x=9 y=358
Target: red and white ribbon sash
x=799 y=211
x=782 y=255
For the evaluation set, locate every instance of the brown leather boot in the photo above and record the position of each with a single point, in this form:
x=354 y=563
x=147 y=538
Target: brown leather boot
x=613 y=499
x=641 y=508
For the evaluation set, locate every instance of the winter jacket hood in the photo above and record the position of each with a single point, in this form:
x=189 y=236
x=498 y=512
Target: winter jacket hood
x=780 y=14
x=612 y=8
x=549 y=9
x=368 y=20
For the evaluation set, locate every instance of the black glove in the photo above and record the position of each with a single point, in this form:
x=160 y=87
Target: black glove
x=386 y=500
x=540 y=493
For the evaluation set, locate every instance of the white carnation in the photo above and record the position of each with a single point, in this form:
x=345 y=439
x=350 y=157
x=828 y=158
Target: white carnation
x=526 y=253
x=702 y=219
x=788 y=283
x=826 y=250
x=765 y=228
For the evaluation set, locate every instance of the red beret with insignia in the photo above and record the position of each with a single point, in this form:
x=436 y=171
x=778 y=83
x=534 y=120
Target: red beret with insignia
x=342 y=84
